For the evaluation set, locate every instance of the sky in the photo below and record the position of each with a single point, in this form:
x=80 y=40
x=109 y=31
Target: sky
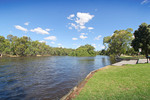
x=71 y=23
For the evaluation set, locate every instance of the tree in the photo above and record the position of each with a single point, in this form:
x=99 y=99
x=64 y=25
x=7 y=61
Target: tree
x=24 y=46
x=86 y=50
x=2 y=44
x=142 y=39
x=119 y=42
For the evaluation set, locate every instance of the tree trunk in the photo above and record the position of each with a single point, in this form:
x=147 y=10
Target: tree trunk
x=0 y=54
x=146 y=54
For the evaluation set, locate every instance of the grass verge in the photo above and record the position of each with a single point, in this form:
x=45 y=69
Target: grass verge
x=132 y=57
x=130 y=82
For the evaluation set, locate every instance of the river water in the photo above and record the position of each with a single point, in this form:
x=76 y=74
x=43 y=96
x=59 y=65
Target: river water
x=38 y=78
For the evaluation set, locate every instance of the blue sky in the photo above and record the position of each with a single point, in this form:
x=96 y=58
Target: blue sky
x=71 y=23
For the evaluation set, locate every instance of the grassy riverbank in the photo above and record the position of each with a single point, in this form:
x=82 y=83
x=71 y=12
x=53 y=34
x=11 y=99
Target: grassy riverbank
x=130 y=82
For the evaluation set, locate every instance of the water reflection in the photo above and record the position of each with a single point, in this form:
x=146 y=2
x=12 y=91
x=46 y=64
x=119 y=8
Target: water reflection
x=44 y=77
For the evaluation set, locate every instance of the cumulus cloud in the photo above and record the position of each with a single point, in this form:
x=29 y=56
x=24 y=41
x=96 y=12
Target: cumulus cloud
x=39 y=30
x=82 y=36
x=82 y=27
x=83 y=18
x=60 y=45
x=53 y=38
x=101 y=46
x=80 y=20
x=71 y=16
x=74 y=38
x=70 y=28
x=145 y=1
x=47 y=29
x=52 y=42
x=90 y=28
x=21 y=28
x=94 y=45
x=84 y=33
x=26 y=23
x=42 y=41
x=98 y=37
x=74 y=26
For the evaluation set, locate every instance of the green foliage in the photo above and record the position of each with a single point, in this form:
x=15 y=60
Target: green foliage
x=24 y=46
x=86 y=50
x=142 y=39
x=118 y=43
x=4 y=44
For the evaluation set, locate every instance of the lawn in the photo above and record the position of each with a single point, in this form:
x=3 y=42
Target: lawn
x=124 y=57
x=130 y=82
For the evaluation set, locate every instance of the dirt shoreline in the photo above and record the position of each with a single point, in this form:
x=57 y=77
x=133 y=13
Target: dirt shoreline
x=76 y=90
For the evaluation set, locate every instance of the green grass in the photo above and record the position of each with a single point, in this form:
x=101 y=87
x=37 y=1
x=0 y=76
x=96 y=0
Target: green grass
x=130 y=82
x=132 y=57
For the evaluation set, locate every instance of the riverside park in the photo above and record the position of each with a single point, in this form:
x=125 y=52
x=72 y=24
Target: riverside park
x=74 y=50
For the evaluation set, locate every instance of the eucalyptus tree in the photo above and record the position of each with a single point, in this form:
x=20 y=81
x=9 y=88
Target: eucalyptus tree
x=142 y=39
x=119 y=42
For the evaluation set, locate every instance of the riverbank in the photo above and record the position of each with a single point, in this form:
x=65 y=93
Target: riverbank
x=14 y=56
x=114 y=82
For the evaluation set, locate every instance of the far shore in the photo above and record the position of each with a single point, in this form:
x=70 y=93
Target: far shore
x=15 y=56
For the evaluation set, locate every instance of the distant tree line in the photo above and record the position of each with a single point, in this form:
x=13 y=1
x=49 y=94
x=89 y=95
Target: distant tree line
x=24 y=46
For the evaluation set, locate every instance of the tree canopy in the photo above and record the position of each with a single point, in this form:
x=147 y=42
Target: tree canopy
x=119 y=42
x=24 y=46
x=142 y=39
x=86 y=50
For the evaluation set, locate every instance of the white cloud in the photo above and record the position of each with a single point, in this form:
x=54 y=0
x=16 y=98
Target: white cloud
x=42 y=41
x=71 y=16
x=80 y=20
x=40 y=30
x=82 y=36
x=47 y=30
x=145 y=1
x=84 y=33
x=26 y=23
x=90 y=28
x=82 y=27
x=21 y=28
x=74 y=25
x=74 y=38
x=101 y=46
x=60 y=45
x=94 y=45
x=51 y=38
x=52 y=42
x=83 y=18
x=70 y=28
x=98 y=37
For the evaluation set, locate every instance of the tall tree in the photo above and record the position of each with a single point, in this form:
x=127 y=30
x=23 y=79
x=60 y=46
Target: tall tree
x=118 y=43
x=142 y=39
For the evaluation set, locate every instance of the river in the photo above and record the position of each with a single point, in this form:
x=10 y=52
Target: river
x=38 y=78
